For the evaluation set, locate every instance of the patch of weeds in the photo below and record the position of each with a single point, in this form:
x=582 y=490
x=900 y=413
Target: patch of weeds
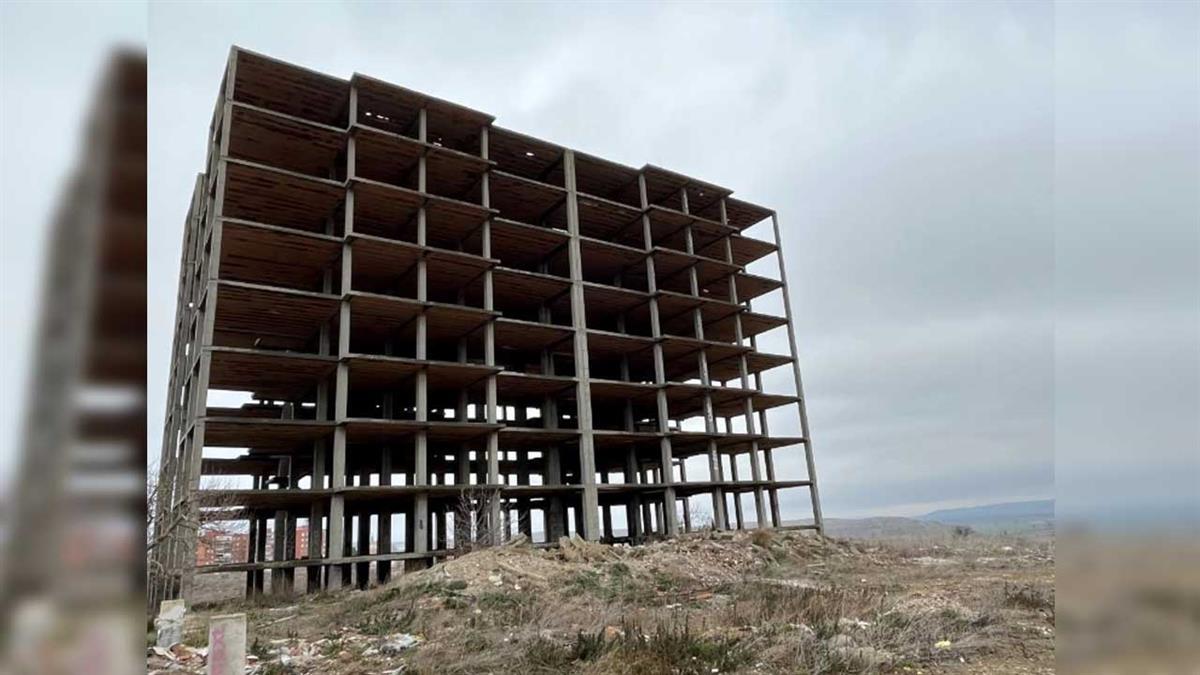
x=780 y=555
x=474 y=641
x=512 y=607
x=674 y=648
x=545 y=656
x=1027 y=596
x=275 y=668
x=585 y=581
x=196 y=636
x=617 y=583
x=332 y=648
x=761 y=538
x=759 y=604
x=413 y=591
x=910 y=638
x=664 y=582
x=257 y=648
x=388 y=622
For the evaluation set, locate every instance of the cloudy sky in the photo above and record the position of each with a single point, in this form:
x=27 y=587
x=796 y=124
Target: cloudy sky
x=989 y=209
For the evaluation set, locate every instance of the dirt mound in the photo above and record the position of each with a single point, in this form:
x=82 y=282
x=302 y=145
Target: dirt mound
x=756 y=601
x=704 y=559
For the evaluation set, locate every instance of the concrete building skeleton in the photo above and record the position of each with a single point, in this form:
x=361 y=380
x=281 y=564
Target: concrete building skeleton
x=74 y=515
x=454 y=331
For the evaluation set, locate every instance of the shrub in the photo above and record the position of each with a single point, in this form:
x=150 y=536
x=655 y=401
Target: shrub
x=762 y=538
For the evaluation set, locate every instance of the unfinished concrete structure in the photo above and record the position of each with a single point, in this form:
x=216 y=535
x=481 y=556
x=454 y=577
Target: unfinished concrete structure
x=73 y=516
x=451 y=331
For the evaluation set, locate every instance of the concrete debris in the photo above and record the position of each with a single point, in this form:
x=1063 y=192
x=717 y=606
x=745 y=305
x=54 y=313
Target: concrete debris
x=227 y=644
x=168 y=625
x=574 y=549
x=177 y=657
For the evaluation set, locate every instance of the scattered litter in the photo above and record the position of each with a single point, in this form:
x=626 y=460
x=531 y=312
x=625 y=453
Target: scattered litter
x=398 y=643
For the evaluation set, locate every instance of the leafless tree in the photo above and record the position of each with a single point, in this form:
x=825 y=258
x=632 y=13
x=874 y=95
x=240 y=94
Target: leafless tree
x=474 y=527
x=174 y=525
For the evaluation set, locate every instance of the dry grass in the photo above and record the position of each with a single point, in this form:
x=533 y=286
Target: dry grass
x=757 y=602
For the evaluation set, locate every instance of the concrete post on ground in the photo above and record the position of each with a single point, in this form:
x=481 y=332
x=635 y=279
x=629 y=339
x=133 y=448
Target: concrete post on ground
x=227 y=645
x=168 y=625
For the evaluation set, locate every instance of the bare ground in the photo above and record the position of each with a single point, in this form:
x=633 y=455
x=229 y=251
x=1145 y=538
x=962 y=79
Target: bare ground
x=782 y=602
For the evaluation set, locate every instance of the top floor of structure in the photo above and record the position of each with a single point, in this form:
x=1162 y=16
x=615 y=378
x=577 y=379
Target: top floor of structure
x=305 y=119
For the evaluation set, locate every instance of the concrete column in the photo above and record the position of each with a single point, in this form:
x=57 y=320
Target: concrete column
x=251 y=551
x=606 y=512
x=462 y=478
x=633 y=510
x=523 y=514
x=337 y=513
x=260 y=575
x=804 y=431
x=589 y=516
x=184 y=554
x=421 y=454
x=492 y=453
x=383 y=544
x=687 y=508
x=348 y=545
x=337 y=478
x=279 y=534
x=289 y=541
x=743 y=370
x=666 y=457
x=316 y=515
x=195 y=447
x=556 y=511
x=737 y=496
x=362 y=573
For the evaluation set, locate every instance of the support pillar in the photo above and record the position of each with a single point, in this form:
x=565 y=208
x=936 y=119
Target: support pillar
x=383 y=544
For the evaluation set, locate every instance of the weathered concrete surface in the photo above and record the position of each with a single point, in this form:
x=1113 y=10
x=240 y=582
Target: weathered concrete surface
x=227 y=644
x=168 y=625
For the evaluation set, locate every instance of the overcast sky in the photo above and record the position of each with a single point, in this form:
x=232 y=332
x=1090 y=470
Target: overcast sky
x=976 y=199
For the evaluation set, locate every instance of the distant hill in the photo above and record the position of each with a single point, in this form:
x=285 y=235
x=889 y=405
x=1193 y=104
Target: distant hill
x=1032 y=518
x=884 y=527
x=1037 y=515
